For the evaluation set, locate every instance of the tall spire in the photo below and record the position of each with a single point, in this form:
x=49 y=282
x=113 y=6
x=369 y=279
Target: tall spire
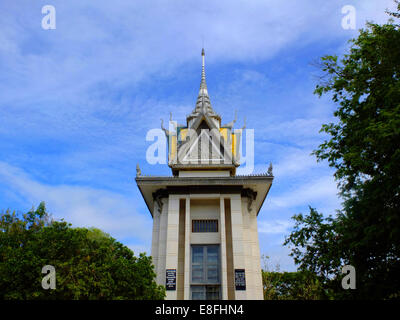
x=203 y=85
x=203 y=104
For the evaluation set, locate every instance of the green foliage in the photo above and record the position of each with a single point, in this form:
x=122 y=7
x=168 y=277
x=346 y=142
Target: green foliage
x=292 y=286
x=318 y=235
x=364 y=149
x=364 y=143
x=89 y=263
x=317 y=250
x=300 y=285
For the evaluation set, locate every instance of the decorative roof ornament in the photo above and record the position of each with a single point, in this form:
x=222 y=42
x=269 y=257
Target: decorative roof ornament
x=167 y=133
x=203 y=104
x=269 y=172
x=138 y=171
x=232 y=123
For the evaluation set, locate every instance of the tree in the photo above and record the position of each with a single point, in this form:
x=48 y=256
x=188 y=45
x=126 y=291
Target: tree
x=299 y=285
x=364 y=149
x=89 y=264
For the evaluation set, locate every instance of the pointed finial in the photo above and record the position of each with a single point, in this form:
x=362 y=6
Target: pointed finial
x=244 y=123
x=203 y=70
x=163 y=129
x=203 y=104
x=138 y=171
x=232 y=123
x=269 y=172
x=203 y=85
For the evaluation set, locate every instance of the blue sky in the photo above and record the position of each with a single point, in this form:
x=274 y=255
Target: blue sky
x=76 y=102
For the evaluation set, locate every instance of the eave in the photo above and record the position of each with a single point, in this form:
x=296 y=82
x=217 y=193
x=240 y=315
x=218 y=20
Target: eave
x=260 y=184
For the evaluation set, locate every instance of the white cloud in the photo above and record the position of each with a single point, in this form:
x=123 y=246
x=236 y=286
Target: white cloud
x=279 y=259
x=302 y=132
x=82 y=206
x=274 y=226
x=146 y=248
x=308 y=193
x=126 y=41
x=295 y=162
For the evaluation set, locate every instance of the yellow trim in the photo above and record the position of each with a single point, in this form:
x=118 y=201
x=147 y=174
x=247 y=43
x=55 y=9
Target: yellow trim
x=234 y=139
x=183 y=134
x=172 y=149
x=224 y=133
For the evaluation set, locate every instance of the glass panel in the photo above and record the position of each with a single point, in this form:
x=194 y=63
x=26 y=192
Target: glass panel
x=197 y=274
x=212 y=264
x=197 y=259
x=212 y=293
x=197 y=271
x=198 y=292
x=212 y=275
x=197 y=254
x=212 y=259
x=212 y=250
x=205 y=269
x=197 y=296
x=212 y=255
x=198 y=264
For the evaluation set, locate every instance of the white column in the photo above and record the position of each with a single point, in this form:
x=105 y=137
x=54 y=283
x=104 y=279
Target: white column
x=162 y=242
x=224 y=269
x=237 y=241
x=188 y=230
x=155 y=238
x=258 y=286
x=172 y=240
x=248 y=255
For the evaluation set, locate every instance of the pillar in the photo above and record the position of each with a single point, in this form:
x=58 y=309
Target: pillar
x=172 y=240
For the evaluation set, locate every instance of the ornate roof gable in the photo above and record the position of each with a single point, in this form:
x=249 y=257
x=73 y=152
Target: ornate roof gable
x=203 y=144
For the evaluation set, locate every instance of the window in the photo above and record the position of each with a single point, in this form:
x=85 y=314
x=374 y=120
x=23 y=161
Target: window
x=205 y=272
x=204 y=225
x=205 y=293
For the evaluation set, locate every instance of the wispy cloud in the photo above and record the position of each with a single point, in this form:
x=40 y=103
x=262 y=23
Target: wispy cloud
x=274 y=227
x=320 y=189
x=82 y=206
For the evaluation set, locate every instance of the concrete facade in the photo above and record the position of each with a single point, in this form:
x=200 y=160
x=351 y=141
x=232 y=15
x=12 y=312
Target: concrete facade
x=172 y=230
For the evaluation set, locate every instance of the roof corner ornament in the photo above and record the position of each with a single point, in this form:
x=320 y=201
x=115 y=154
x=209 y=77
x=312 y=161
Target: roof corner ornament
x=167 y=133
x=157 y=197
x=269 y=172
x=138 y=171
x=251 y=195
x=159 y=203
x=174 y=123
x=232 y=123
x=244 y=123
